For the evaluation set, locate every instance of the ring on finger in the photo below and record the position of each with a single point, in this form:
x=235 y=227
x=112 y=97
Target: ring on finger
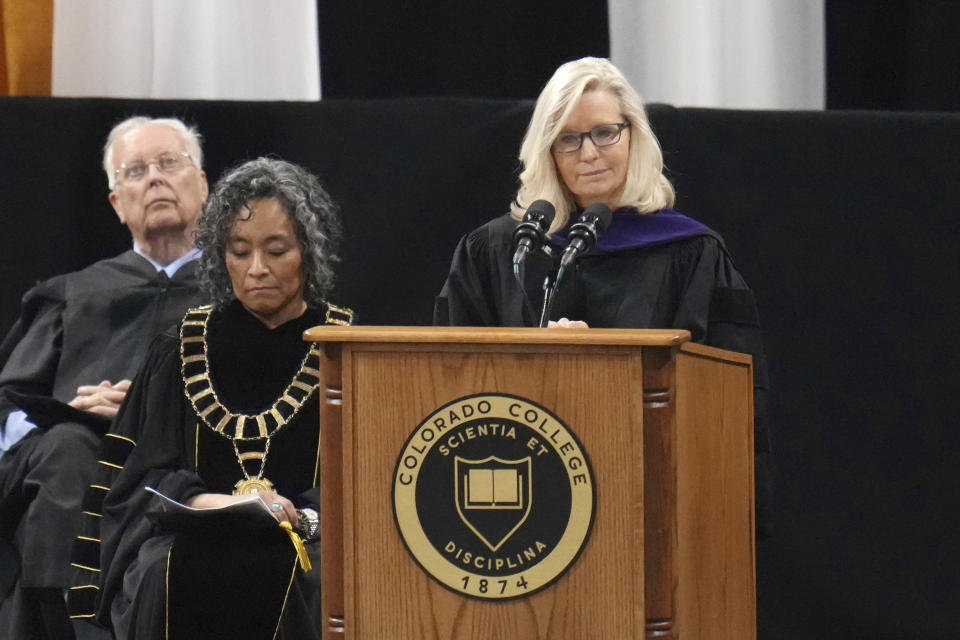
x=276 y=506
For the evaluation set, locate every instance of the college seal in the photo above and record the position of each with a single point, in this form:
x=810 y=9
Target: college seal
x=493 y=496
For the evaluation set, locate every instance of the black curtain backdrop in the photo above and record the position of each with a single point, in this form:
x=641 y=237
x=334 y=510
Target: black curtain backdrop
x=470 y=48
x=845 y=225
x=893 y=54
x=880 y=54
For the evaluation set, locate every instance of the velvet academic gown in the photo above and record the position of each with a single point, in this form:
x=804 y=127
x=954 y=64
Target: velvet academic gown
x=77 y=328
x=254 y=574
x=656 y=271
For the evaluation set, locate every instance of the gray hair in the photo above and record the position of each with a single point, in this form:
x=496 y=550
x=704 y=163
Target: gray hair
x=314 y=215
x=645 y=188
x=191 y=138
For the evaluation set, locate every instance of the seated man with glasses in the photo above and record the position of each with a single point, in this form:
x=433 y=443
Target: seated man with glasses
x=79 y=340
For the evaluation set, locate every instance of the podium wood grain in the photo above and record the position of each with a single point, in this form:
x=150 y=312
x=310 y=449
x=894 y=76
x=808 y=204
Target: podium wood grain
x=605 y=385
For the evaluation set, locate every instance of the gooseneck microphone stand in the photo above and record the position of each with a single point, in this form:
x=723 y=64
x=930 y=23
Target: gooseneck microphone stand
x=591 y=224
x=530 y=235
x=550 y=284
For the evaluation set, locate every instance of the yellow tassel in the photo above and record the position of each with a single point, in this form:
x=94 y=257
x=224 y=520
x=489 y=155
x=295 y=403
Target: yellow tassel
x=298 y=544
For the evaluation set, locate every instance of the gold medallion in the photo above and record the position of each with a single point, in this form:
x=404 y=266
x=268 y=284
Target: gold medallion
x=252 y=485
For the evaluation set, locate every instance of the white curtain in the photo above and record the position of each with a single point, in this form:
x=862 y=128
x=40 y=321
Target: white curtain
x=748 y=54
x=205 y=49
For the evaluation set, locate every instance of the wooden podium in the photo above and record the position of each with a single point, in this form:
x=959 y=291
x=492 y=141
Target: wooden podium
x=668 y=429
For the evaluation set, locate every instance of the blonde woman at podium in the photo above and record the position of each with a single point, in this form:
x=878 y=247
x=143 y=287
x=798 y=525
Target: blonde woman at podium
x=210 y=520
x=591 y=238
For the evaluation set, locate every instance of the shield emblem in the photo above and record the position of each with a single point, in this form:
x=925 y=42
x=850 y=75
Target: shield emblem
x=493 y=496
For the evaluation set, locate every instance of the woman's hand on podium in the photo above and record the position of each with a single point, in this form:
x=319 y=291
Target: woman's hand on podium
x=564 y=323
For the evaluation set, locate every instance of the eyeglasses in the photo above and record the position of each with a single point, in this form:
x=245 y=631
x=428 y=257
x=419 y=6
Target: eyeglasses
x=602 y=135
x=167 y=163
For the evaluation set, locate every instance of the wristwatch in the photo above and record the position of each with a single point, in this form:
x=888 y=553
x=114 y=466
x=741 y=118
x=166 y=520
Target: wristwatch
x=308 y=523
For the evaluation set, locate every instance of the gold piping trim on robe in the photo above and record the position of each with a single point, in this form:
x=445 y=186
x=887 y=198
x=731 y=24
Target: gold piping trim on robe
x=119 y=437
x=166 y=604
x=286 y=596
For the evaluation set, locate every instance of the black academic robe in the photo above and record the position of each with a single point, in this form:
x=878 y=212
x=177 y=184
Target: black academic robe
x=230 y=583
x=684 y=280
x=91 y=325
x=78 y=328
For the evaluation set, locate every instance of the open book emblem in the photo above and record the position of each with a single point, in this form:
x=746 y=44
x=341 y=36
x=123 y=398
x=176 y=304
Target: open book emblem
x=493 y=496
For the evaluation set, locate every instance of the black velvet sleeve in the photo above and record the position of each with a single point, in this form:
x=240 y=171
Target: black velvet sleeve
x=731 y=321
x=144 y=447
x=155 y=418
x=481 y=290
x=464 y=299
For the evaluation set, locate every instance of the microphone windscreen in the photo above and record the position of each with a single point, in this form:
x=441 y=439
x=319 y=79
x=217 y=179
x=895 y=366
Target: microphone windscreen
x=603 y=216
x=541 y=209
x=531 y=233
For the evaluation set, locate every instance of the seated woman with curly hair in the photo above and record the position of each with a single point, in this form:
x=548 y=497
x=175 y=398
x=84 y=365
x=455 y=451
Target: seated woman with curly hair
x=225 y=408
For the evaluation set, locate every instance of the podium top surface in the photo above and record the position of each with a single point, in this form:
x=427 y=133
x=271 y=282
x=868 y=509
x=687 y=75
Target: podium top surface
x=499 y=335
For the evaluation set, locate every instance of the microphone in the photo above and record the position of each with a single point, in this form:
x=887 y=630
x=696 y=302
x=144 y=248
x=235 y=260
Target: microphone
x=585 y=232
x=591 y=224
x=531 y=233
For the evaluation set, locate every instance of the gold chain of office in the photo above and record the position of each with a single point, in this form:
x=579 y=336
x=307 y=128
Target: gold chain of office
x=195 y=369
